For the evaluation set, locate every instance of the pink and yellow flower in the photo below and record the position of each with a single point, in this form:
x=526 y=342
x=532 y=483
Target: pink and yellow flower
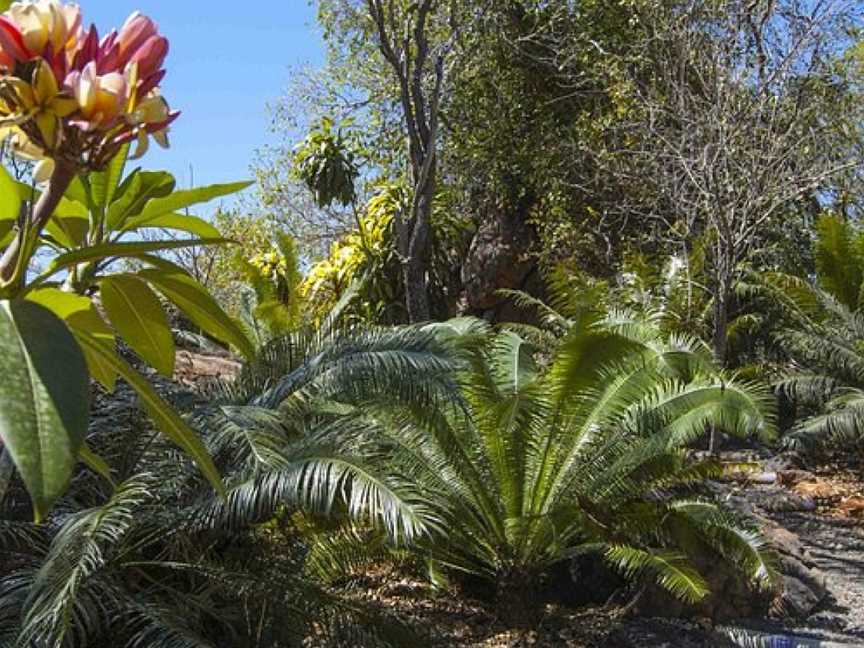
x=72 y=94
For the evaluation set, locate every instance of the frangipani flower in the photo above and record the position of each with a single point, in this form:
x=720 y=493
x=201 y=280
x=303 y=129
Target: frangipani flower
x=74 y=95
x=45 y=23
x=101 y=100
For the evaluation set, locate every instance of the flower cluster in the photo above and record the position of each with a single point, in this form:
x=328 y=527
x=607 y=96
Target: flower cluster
x=66 y=93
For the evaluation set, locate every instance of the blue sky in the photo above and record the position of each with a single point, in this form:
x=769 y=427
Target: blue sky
x=228 y=59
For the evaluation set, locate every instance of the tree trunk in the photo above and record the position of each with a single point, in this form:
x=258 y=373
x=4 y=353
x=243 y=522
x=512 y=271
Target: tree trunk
x=415 y=251
x=516 y=599
x=720 y=342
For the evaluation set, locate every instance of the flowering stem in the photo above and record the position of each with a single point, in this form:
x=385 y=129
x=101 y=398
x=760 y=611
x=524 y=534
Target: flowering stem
x=13 y=264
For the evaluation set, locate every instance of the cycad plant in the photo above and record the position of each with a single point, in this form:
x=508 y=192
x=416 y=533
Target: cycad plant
x=160 y=560
x=525 y=467
x=823 y=339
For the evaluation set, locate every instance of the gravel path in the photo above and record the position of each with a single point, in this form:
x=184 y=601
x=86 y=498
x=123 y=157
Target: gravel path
x=836 y=545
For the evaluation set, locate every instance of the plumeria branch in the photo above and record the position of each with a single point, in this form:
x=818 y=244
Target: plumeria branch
x=13 y=262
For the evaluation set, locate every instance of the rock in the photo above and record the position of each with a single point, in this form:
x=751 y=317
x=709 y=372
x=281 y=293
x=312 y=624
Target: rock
x=498 y=259
x=785 y=461
x=792 y=477
x=195 y=368
x=803 y=586
x=852 y=507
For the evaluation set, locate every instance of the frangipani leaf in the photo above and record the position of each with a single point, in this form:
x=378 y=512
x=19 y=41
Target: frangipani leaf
x=180 y=222
x=123 y=250
x=80 y=315
x=182 y=199
x=137 y=314
x=136 y=191
x=10 y=199
x=196 y=303
x=44 y=399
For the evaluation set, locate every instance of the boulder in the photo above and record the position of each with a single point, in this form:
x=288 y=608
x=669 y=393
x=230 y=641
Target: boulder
x=196 y=369
x=803 y=586
x=497 y=259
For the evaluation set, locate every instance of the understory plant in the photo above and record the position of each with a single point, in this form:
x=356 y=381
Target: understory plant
x=823 y=339
x=515 y=467
x=274 y=278
x=161 y=560
x=147 y=563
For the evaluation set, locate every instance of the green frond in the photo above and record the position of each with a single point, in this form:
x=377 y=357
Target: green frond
x=549 y=318
x=797 y=296
x=837 y=263
x=333 y=556
x=744 y=548
x=808 y=388
x=670 y=570
x=78 y=551
x=841 y=423
x=149 y=624
x=322 y=479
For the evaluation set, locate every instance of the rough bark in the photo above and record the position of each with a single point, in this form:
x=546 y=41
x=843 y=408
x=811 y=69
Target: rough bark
x=516 y=598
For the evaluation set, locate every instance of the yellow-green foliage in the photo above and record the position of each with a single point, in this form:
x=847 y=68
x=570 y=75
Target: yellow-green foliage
x=363 y=254
x=274 y=275
x=226 y=275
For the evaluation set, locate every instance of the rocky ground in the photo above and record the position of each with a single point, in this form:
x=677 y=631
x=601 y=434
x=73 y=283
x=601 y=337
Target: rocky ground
x=819 y=516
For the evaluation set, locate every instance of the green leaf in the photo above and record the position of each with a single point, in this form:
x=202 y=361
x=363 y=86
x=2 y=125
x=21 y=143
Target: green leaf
x=78 y=192
x=137 y=315
x=44 y=399
x=191 y=224
x=103 y=184
x=7 y=233
x=122 y=250
x=839 y=268
x=10 y=199
x=80 y=314
x=182 y=199
x=169 y=422
x=70 y=232
x=196 y=303
x=138 y=190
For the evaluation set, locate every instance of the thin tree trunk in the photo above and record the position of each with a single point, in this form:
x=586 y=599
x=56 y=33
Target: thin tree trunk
x=720 y=342
x=415 y=244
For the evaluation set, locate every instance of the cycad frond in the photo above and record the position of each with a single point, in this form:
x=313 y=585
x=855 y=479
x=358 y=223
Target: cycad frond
x=528 y=463
x=670 y=570
x=827 y=352
x=77 y=552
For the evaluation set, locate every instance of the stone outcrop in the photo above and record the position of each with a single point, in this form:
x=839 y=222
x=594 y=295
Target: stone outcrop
x=498 y=259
